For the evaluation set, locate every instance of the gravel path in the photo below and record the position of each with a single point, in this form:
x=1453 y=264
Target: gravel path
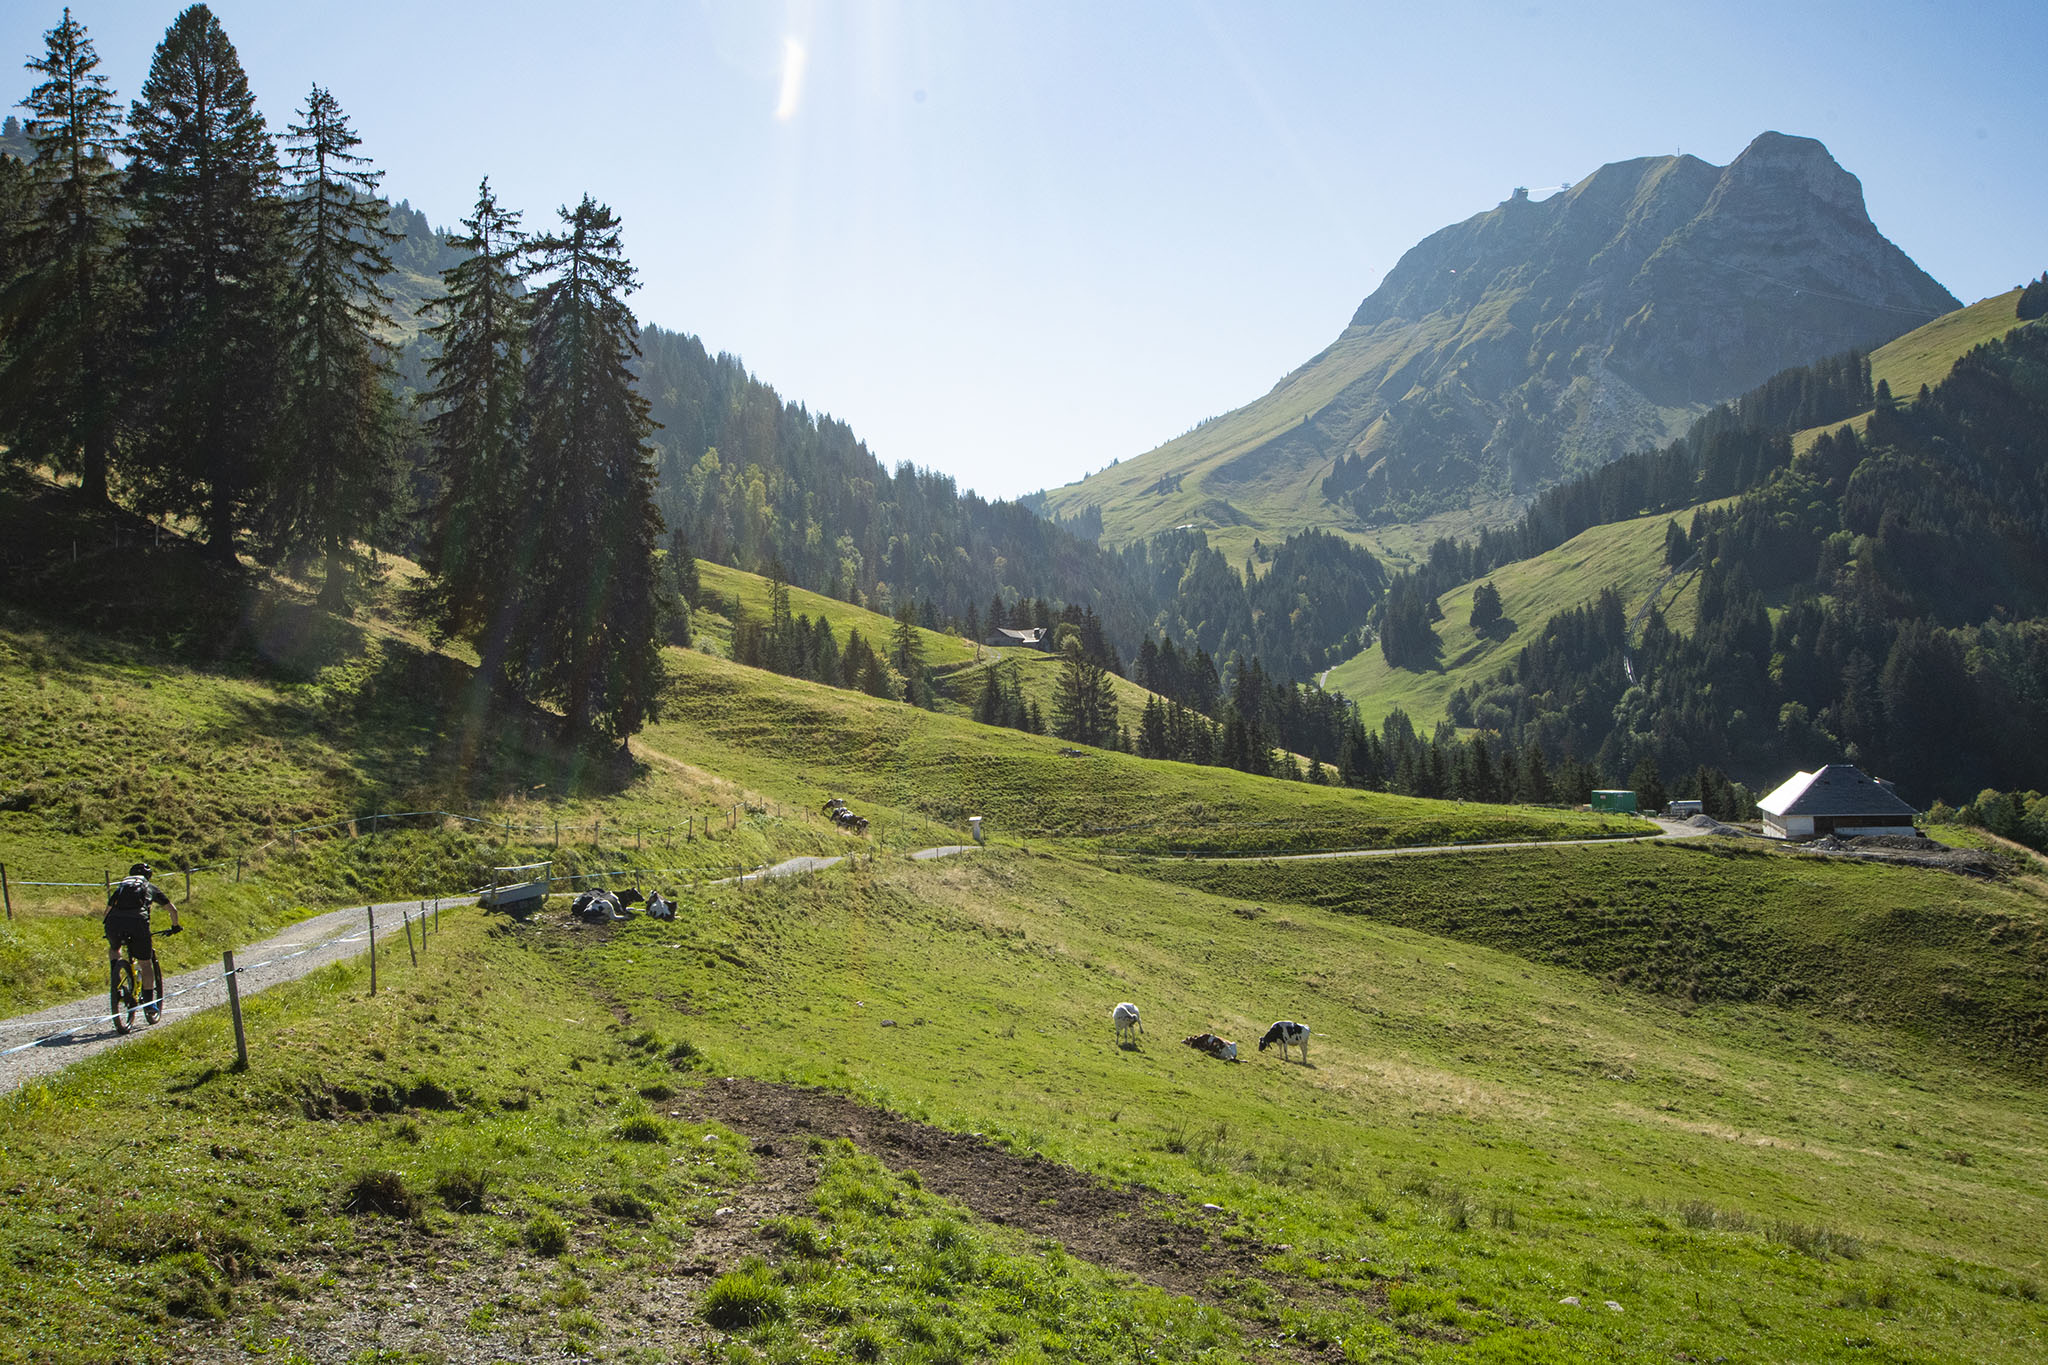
x=37 y=1044
x=33 y=1045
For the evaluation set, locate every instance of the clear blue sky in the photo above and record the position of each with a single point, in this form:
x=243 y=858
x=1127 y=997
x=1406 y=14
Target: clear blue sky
x=1014 y=241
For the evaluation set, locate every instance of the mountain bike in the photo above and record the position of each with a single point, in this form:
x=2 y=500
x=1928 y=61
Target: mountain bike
x=123 y=996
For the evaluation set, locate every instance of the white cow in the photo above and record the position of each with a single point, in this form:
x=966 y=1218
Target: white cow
x=1125 y=1017
x=1286 y=1032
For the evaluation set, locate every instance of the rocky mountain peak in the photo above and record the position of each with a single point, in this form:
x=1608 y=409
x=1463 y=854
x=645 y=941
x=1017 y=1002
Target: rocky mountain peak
x=1777 y=166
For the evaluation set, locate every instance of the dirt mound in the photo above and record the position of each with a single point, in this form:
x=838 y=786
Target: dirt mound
x=1911 y=850
x=1128 y=1227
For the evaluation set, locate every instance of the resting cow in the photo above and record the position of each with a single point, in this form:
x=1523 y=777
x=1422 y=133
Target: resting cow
x=1222 y=1049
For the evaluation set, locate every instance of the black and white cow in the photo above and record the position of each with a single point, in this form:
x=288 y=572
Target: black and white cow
x=1287 y=1033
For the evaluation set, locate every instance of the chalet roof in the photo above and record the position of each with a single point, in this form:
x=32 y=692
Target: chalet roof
x=1838 y=789
x=1023 y=637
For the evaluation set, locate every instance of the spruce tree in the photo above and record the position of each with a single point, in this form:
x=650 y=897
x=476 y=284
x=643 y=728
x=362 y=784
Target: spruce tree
x=62 y=311
x=474 y=551
x=339 y=416
x=207 y=253
x=1083 y=704
x=584 y=637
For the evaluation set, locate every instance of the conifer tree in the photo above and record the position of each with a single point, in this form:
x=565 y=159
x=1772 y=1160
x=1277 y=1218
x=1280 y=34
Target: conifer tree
x=1083 y=704
x=207 y=253
x=1486 y=609
x=907 y=654
x=339 y=417
x=585 y=632
x=478 y=372
x=62 y=313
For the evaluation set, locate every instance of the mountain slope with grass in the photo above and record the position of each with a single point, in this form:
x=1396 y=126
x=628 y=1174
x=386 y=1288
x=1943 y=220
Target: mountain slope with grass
x=1627 y=556
x=1534 y=341
x=877 y=1113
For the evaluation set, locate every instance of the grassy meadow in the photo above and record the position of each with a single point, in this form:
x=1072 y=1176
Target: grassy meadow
x=1626 y=1102
x=1625 y=555
x=1479 y=1137
x=1926 y=354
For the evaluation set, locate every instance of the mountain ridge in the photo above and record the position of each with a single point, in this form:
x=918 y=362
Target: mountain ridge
x=1540 y=338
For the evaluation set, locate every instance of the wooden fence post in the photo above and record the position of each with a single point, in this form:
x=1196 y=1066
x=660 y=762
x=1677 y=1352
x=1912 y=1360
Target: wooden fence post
x=402 y=914
x=227 y=967
x=5 y=894
x=371 y=911
x=188 y=883
x=238 y=872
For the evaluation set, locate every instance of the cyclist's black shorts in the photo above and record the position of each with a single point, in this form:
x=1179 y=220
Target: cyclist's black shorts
x=132 y=930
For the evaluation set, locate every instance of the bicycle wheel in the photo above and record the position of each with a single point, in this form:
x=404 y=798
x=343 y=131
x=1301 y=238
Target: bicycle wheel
x=121 y=995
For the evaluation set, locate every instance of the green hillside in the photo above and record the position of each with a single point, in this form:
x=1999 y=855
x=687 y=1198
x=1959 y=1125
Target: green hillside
x=1926 y=354
x=1625 y=555
x=960 y=667
x=628 y=1150
x=942 y=652
x=1743 y=1096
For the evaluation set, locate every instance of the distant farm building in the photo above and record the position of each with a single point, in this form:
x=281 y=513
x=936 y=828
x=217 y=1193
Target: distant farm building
x=1623 y=802
x=1035 y=637
x=1839 y=799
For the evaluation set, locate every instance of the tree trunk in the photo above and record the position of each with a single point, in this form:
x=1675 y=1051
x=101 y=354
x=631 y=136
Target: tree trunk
x=334 y=587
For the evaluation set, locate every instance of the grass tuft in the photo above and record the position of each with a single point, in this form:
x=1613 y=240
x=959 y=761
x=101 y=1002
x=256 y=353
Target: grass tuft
x=746 y=1298
x=383 y=1192
x=546 y=1234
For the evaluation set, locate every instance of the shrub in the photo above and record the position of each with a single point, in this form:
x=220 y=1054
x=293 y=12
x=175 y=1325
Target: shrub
x=745 y=1298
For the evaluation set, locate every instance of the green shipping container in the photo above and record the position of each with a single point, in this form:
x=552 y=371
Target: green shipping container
x=1624 y=802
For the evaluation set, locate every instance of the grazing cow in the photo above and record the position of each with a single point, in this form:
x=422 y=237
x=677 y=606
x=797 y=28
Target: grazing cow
x=1125 y=1017
x=1222 y=1049
x=1284 y=1033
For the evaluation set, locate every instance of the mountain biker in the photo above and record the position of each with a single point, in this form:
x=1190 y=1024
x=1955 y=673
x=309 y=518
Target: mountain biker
x=129 y=903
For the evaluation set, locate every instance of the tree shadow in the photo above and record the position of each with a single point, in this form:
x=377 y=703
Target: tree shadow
x=1498 y=629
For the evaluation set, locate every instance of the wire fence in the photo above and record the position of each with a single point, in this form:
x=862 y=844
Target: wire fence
x=69 y=1028
x=66 y=1030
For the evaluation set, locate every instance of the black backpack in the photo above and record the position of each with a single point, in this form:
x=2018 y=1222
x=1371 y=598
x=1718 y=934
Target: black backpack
x=130 y=898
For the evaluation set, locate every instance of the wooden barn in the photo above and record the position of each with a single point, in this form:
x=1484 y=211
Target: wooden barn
x=1838 y=799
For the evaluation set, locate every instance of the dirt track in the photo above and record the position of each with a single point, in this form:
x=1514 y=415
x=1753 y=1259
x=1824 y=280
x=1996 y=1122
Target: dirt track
x=1123 y=1227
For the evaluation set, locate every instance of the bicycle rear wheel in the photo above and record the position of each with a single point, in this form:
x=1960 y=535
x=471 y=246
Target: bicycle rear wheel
x=122 y=994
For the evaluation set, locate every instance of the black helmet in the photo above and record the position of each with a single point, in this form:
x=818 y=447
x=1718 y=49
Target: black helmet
x=141 y=870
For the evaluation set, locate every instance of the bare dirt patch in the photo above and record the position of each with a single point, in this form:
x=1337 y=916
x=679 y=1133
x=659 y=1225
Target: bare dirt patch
x=1125 y=1227
x=404 y=1294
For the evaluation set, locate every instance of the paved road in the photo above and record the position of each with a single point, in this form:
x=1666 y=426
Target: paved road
x=34 y=1045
